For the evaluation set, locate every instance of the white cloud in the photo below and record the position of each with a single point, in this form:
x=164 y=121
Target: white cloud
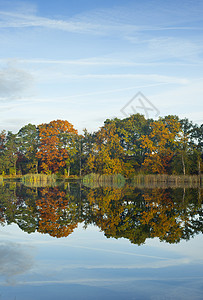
x=14 y=83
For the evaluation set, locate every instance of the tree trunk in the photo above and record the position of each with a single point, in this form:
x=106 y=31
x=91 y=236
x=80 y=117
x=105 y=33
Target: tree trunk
x=183 y=162
x=80 y=160
x=15 y=162
x=199 y=172
x=199 y=167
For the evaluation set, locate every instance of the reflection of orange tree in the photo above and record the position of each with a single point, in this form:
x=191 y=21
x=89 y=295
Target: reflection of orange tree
x=57 y=215
x=161 y=216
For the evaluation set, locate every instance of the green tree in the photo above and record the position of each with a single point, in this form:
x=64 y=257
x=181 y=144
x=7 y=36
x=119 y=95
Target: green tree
x=28 y=142
x=9 y=153
x=129 y=131
x=188 y=155
x=2 y=151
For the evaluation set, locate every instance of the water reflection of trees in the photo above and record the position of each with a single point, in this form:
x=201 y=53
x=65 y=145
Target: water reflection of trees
x=131 y=213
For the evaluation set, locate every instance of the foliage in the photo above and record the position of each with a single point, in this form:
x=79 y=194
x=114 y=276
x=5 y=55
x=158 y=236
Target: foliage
x=28 y=142
x=56 y=145
x=161 y=144
x=128 y=146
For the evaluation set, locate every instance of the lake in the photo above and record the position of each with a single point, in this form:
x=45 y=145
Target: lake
x=72 y=241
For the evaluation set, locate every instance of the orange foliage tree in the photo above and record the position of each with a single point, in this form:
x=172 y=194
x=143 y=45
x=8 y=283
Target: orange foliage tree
x=57 y=145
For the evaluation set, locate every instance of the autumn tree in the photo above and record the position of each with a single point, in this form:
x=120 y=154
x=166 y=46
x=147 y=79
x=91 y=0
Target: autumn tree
x=161 y=144
x=57 y=146
x=106 y=157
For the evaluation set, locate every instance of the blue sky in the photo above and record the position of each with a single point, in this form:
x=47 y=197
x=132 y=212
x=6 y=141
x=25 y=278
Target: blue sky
x=83 y=61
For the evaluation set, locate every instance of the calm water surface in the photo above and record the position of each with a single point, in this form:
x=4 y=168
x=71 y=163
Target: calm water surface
x=76 y=242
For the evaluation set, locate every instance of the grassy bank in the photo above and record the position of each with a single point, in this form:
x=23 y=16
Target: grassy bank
x=153 y=181
x=96 y=180
x=39 y=180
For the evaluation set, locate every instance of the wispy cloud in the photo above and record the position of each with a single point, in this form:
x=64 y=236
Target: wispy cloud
x=14 y=82
x=101 y=62
x=16 y=20
x=100 y=22
x=137 y=77
x=146 y=77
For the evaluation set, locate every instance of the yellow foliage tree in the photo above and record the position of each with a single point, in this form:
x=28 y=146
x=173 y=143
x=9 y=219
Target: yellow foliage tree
x=161 y=144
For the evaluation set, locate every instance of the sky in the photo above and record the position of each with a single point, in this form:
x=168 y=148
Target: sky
x=88 y=60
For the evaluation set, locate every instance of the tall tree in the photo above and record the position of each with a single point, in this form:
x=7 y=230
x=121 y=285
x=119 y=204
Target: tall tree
x=57 y=146
x=161 y=144
x=2 y=151
x=107 y=154
x=188 y=155
x=8 y=153
x=129 y=131
x=28 y=140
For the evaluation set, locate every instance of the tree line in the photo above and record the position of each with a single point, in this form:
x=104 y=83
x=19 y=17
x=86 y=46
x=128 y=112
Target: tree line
x=128 y=146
